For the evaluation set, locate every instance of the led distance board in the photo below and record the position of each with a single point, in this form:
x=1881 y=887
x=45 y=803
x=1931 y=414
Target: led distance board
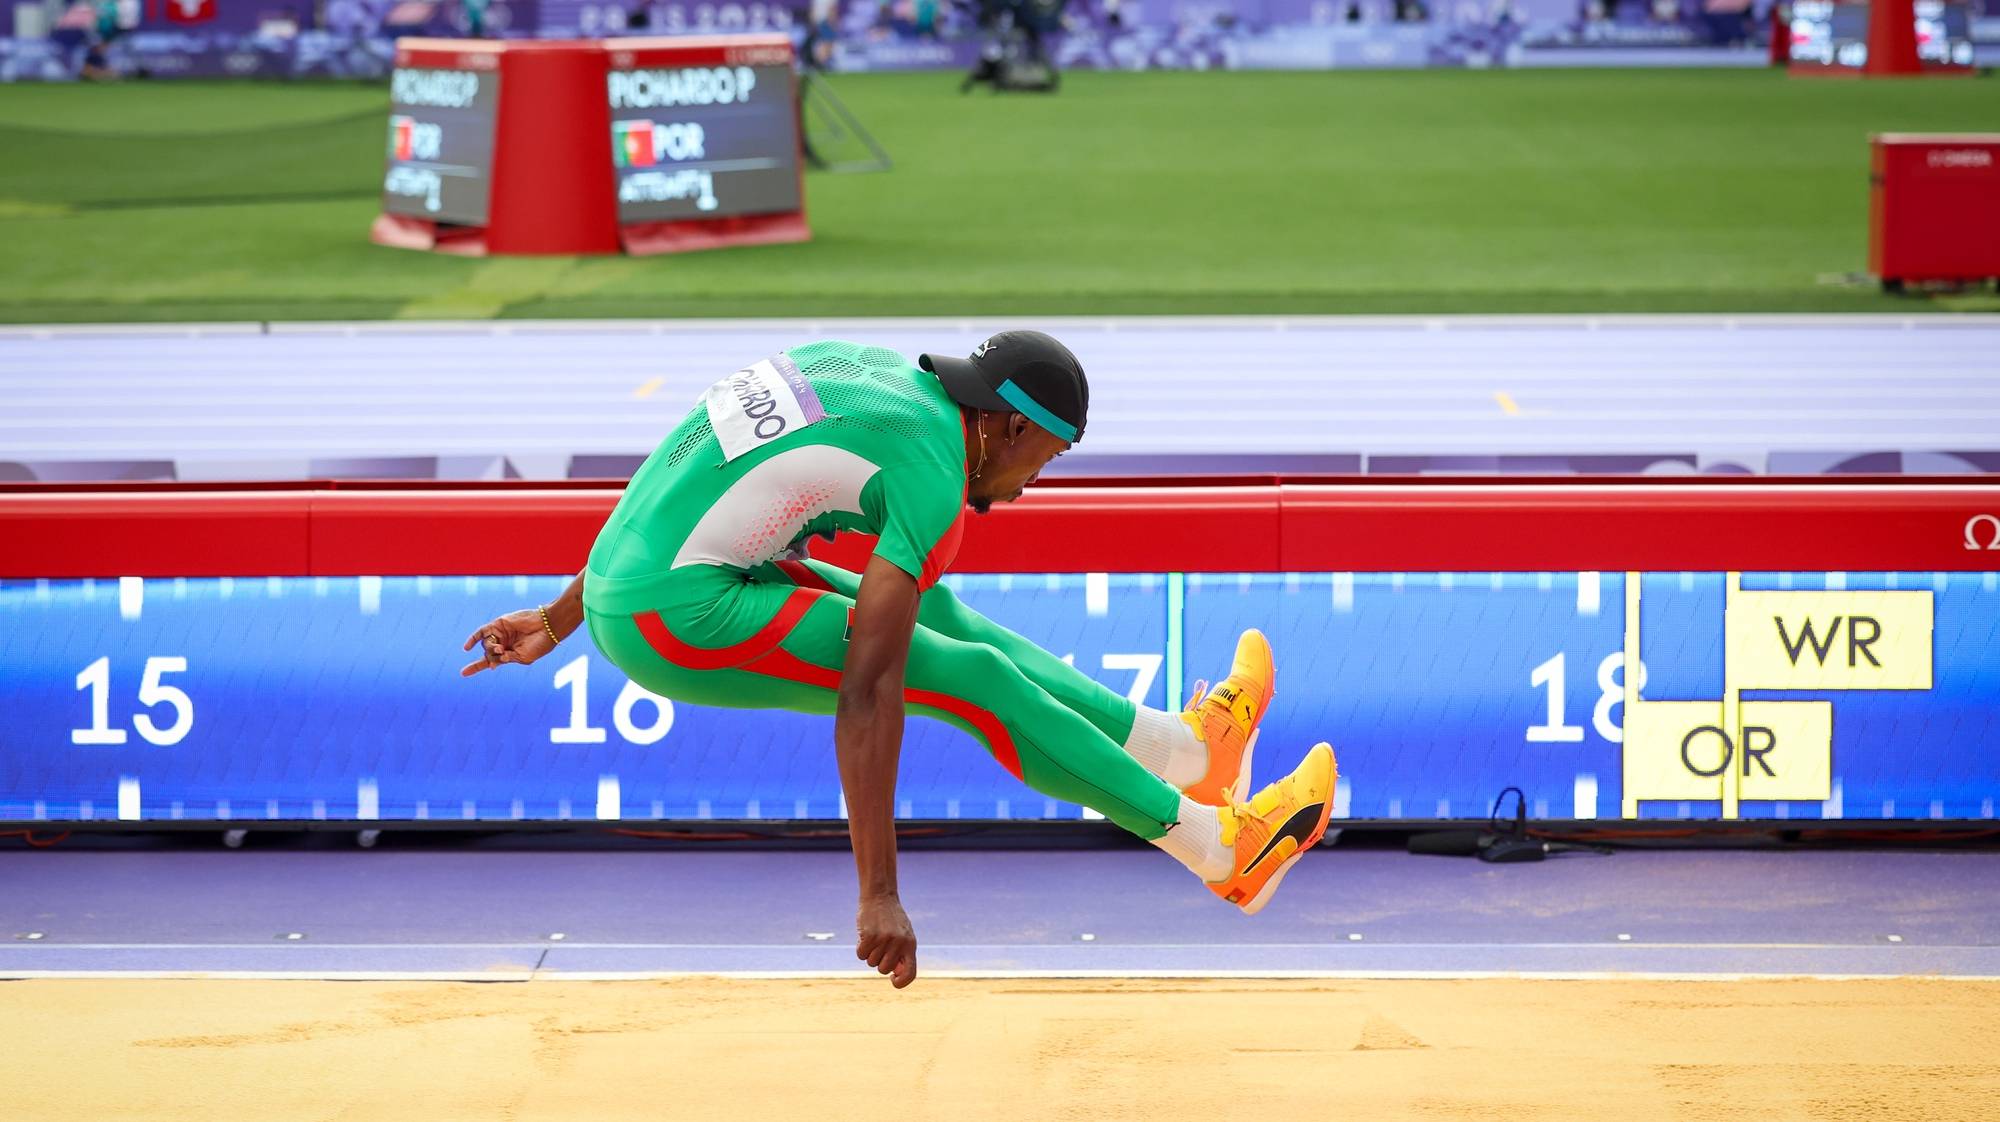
x=1808 y=696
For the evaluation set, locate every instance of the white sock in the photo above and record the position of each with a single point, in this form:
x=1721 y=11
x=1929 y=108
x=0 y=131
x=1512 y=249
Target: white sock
x=1165 y=745
x=1196 y=841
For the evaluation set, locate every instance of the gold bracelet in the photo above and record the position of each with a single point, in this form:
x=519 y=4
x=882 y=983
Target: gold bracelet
x=543 y=608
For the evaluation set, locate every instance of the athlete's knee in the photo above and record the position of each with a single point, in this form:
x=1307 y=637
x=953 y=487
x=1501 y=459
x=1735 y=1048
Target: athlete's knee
x=983 y=675
x=941 y=610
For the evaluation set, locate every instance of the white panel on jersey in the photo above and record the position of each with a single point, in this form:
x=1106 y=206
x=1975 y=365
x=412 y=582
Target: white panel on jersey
x=759 y=404
x=759 y=515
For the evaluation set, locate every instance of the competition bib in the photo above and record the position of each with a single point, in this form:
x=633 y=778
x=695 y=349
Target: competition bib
x=759 y=404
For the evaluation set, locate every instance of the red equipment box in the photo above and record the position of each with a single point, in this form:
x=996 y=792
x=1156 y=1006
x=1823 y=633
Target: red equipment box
x=644 y=146
x=1934 y=207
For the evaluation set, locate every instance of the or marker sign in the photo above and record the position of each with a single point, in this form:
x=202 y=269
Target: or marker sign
x=1689 y=750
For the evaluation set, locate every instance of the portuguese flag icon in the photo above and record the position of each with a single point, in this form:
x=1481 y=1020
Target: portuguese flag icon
x=632 y=144
x=401 y=136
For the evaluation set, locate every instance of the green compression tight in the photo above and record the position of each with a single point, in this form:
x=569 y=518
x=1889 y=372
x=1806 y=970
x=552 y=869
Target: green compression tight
x=777 y=640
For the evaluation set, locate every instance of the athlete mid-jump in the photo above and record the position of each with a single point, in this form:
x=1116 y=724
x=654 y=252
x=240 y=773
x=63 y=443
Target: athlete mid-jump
x=698 y=588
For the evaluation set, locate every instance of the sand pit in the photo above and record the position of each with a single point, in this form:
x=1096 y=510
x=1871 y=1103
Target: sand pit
x=965 y=1050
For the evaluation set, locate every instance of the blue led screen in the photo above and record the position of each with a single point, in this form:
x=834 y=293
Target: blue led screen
x=1846 y=696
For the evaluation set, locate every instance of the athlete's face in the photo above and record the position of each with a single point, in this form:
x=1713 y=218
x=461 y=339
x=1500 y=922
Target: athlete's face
x=1015 y=452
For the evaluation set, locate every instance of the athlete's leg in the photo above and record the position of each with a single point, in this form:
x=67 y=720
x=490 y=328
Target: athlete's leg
x=1047 y=745
x=748 y=643
x=769 y=644
x=1168 y=744
x=942 y=611
x=622 y=641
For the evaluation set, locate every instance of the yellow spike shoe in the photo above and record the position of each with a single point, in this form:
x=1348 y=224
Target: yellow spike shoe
x=1272 y=831
x=1225 y=720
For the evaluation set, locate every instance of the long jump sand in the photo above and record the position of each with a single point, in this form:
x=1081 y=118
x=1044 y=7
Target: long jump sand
x=960 y=1051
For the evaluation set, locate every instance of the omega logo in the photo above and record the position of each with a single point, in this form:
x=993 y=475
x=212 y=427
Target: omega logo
x=1991 y=533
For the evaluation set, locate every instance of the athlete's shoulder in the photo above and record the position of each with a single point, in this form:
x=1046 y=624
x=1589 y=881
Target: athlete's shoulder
x=839 y=356
x=879 y=390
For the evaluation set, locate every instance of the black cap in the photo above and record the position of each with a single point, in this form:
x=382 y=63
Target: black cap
x=1023 y=372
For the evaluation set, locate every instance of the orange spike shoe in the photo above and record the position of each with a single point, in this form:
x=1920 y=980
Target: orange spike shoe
x=1225 y=720
x=1272 y=831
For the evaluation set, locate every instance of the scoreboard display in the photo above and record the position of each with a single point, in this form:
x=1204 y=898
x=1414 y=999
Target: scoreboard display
x=442 y=123
x=638 y=146
x=1832 y=35
x=701 y=132
x=1835 y=696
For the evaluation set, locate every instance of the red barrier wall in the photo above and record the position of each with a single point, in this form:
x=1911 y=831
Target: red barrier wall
x=1215 y=526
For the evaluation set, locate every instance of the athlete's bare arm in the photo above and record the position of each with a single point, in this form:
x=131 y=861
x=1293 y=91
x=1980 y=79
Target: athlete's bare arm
x=520 y=637
x=868 y=741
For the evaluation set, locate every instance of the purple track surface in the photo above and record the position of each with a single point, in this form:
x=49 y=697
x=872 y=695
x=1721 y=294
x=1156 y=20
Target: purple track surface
x=1536 y=394
x=495 y=916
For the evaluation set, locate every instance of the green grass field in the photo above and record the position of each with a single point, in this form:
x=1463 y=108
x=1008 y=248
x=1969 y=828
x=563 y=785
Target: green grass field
x=1436 y=191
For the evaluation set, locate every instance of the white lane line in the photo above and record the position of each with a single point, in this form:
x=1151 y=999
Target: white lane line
x=283 y=975
x=175 y=395
x=1017 y=947
x=1304 y=416
x=1872 y=324
x=863 y=974
x=444 y=441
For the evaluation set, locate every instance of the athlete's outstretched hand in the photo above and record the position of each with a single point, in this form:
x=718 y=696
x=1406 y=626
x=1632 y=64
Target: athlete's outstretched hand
x=888 y=942
x=515 y=637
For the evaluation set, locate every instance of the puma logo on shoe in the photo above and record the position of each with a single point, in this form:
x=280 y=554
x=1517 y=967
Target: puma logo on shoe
x=1299 y=827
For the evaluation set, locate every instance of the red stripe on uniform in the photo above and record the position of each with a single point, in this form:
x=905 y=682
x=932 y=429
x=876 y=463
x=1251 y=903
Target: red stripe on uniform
x=781 y=663
x=664 y=644
x=945 y=550
x=943 y=553
x=989 y=726
x=802 y=575
x=761 y=654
